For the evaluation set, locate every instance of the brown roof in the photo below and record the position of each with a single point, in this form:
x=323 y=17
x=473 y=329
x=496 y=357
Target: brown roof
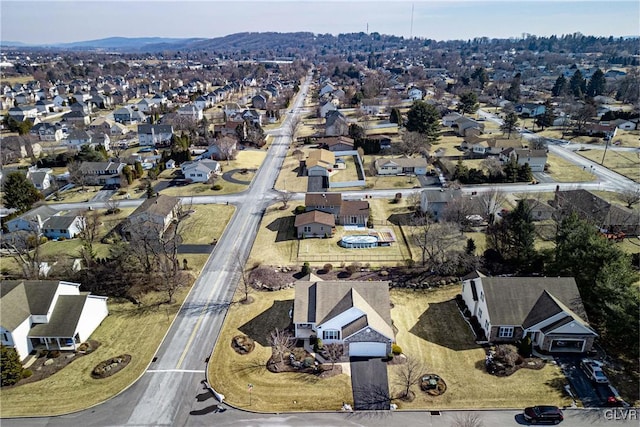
x=321 y=157
x=330 y=142
x=315 y=217
x=161 y=205
x=354 y=207
x=322 y=199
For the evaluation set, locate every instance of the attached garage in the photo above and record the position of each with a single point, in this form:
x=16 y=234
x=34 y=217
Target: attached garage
x=370 y=349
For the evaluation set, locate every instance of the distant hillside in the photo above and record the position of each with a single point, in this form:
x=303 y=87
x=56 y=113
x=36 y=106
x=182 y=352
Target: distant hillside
x=125 y=43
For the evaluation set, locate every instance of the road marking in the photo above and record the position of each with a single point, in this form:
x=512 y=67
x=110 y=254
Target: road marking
x=195 y=329
x=194 y=371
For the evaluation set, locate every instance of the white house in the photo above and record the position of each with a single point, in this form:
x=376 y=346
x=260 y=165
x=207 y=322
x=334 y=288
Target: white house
x=201 y=170
x=47 y=313
x=63 y=226
x=548 y=310
x=415 y=94
x=34 y=218
x=401 y=165
x=355 y=315
x=155 y=135
x=191 y=111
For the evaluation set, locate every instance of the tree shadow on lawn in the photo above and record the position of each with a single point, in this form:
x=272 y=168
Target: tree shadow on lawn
x=276 y=316
x=284 y=228
x=443 y=325
x=401 y=219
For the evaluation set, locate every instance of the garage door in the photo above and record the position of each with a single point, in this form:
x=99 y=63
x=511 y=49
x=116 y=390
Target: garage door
x=374 y=349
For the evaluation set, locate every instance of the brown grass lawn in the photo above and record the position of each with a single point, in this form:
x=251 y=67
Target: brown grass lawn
x=288 y=178
x=431 y=329
x=276 y=232
x=15 y=79
x=349 y=173
x=206 y=223
x=77 y=194
x=229 y=373
x=623 y=162
x=562 y=171
x=127 y=330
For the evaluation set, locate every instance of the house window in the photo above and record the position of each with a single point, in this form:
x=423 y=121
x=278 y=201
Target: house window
x=479 y=313
x=506 y=332
x=306 y=229
x=481 y=296
x=5 y=337
x=486 y=325
x=354 y=220
x=331 y=335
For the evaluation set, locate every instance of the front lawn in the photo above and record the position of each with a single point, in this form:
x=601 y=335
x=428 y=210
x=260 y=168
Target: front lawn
x=229 y=372
x=563 y=171
x=431 y=329
x=623 y=162
x=128 y=329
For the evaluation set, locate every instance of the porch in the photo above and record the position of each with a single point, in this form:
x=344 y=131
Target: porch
x=55 y=343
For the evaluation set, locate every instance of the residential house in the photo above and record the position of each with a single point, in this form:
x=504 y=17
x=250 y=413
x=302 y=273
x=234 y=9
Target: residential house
x=40 y=178
x=45 y=106
x=81 y=106
x=326 y=108
x=101 y=139
x=201 y=170
x=539 y=211
x=606 y=216
x=22 y=112
x=49 y=313
x=123 y=115
x=100 y=101
x=492 y=146
x=320 y=163
x=548 y=310
x=536 y=159
x=118 y=129
x=356 y=315
x=202 y=102
x=337 y=143
x=32 y=220
x=155 y=135
x=530 y=109
x=345 y=212
x=145 y=105
x=77 y=118
x=450 y=119
x=464 y=126
x=154 y=214
x=436 y=202
x=101 y=125
x=401 y=165
x=190 y=111
x=63 y=226
x=335 y=124
x=315 y=224
x=78 y=138
x=47 y=132
x=259 y=102
x=415 y=94
x=631 y=124
x=102 y=173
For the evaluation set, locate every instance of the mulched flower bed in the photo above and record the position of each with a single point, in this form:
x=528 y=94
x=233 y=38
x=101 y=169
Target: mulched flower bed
x=50 y=362
x=242 y=344
x=501 y=370
x=433 y=385
x=109 y=367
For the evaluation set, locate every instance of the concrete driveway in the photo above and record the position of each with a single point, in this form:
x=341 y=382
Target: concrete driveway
x=370 y=384
x=103 y=195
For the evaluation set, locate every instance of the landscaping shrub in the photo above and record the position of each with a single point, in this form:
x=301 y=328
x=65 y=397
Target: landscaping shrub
x=327 y=268
x=354 y=267
x=216 y=187
x=26 y=373
x=299 y=209
x=306 y=268
x=307 y=362
x=318 y=345
x=10 y=366
x=410 y=263
x=525 y=347
x=53 y=354
x=396 y=349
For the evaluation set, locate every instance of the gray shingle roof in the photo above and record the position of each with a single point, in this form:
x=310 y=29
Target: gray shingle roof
x=64 y=319
x=59 y=222
x=19 y=299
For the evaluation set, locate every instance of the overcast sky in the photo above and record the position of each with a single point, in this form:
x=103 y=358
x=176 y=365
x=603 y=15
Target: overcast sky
x=55 y=21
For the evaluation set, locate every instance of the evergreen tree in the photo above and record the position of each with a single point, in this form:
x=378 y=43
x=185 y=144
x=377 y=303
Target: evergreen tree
x=468 y=103
x=560 y=86
x=546 y=119
x=524 y=173
x=509 y=124
x=514 y=237
x=480 y=74
x=513 y=93
x=424 y=119
x=577 y=84
x=10 y=366
x=395 y=116
x=18 y=192
x=597 y=84
x=471 y=247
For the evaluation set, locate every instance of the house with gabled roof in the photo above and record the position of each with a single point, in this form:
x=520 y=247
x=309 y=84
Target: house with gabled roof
x=36 y=217
x=155 y=135
x=335 y=124
x=155 y=214
x=320 y=162
x=345 y=212
x=47 y=313
x=200 y=170
x=548 y=310
x=401 y=165
x=314 y=224
x=355 y=315
x=63 y=226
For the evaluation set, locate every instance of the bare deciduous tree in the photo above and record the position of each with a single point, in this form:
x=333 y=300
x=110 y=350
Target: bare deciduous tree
x=25 y=245
x=227 y=147
x=294 y=124
x=409 y=374
x=434 y=240
x=284 y=197
x=281 y=342
x=334 y=352
x=630 y=197
x=89 y=229
x=492 y=165
x=458 y=210
x=491 y=202
x=76 y=174
x=414 y=143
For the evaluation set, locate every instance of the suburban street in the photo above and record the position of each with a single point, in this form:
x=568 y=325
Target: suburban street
x=170 y=391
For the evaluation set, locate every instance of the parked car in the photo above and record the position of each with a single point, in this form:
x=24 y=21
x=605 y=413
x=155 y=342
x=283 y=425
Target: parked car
x=543 y=414
x=594 y=371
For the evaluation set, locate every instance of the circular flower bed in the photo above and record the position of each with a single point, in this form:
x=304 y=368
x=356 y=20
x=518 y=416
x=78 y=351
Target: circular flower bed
x=433 y=385
x=242 y=344
x=111 y=366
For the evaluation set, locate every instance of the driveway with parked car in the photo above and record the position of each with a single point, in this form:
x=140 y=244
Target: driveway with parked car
x=591 y=393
